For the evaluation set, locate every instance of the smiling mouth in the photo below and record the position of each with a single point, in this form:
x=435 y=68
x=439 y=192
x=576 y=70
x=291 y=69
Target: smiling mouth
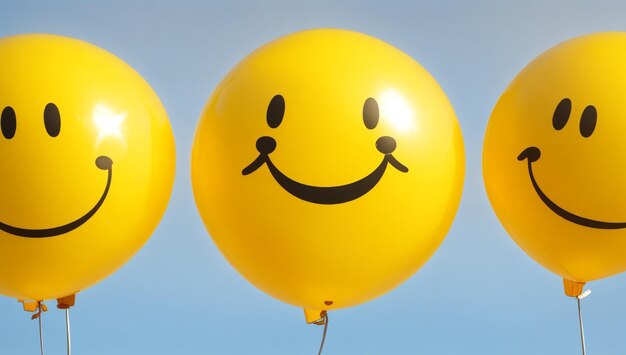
x=103 y=163
x=321 y=194
x=532 y=154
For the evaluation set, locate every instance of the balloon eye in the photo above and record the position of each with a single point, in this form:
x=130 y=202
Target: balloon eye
x=52 y=119
x=561 y=114
x=8 y=122
x=275 y=111
x=370 y=113
x=588 y=121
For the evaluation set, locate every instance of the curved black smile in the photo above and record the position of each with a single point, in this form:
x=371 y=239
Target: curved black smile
x=532 y=154
x=103 y=163
x=332 y=194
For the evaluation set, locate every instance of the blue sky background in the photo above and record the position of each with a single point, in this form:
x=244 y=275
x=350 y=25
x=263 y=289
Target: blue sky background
x=479 y=294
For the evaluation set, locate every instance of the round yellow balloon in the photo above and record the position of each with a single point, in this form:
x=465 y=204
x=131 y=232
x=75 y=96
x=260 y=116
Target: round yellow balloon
x=327 y=167
x=552 y=158
x=87 y=162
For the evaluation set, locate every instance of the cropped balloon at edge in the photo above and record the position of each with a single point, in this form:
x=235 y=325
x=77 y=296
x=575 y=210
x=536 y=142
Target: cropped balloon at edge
x=551 y=158
x=87 y=165
x=327 y=167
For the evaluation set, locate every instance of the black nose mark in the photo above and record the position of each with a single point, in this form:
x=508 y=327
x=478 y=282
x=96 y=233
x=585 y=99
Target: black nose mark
x=371 y=113
x=530 y=153
x=8 y=122
x=103 y=162
x=52 y=119
x=275 y=111
x=386 y=144
x=561 y=114
x=588 y=121
x=265 y=145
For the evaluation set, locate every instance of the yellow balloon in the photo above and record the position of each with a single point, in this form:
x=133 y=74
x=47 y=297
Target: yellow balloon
x=87 y=162
x=552 y=158
x=327 y=167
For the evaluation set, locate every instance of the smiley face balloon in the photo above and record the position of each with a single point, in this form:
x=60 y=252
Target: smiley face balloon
x=87 y=162
x=552 y=158
x=327 y=167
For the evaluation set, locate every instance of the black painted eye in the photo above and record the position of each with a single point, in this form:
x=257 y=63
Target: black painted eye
x=371 y=113
x=52 y=119
x=561 y=114
x=588 y=121
x=8 y=123
x=275 y=111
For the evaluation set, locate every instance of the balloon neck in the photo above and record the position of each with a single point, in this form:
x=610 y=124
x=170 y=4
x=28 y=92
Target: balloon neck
x=39 y=307
x=36 y=307
x=573 y=288
x=314 y=316
x=66 y=302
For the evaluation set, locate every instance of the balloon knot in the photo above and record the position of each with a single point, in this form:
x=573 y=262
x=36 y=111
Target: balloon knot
x=34 y=306
x=322 y=320
x=66 y=302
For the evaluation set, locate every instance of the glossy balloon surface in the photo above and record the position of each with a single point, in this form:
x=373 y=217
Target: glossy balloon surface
x=86 y=162
x=327 y=167
x=553 y=157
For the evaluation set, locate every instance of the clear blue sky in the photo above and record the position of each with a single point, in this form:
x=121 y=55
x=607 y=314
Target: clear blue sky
x=479 y=294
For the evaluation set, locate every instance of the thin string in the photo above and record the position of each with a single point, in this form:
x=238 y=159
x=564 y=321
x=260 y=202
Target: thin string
x=67 y=329
x=40 y=328
x=582 y=332
x=324 y=334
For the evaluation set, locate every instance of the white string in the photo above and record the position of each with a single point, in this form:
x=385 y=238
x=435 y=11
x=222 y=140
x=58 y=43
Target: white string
x=580 y=321
x=324 y=334
x=40 y=329
x=67 y=329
